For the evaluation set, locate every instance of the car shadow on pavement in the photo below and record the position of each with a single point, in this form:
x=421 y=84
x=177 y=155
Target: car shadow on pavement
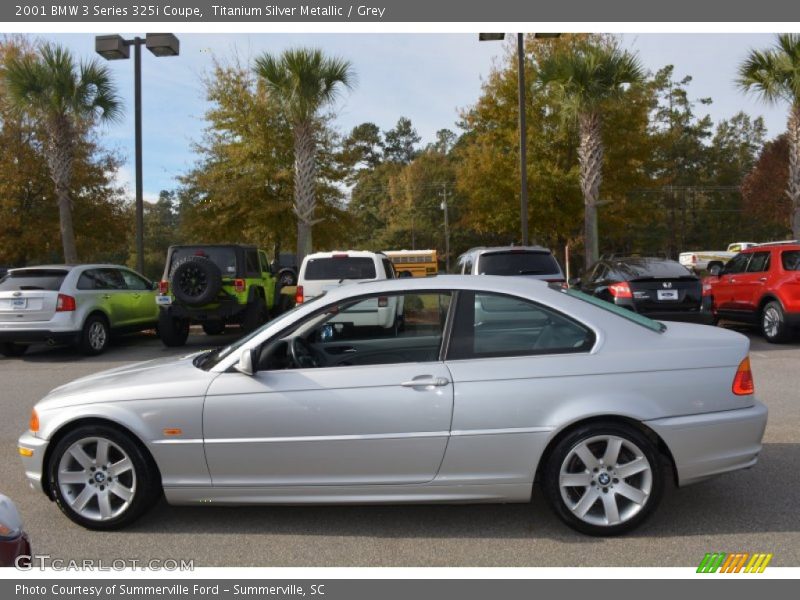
x=762 y=499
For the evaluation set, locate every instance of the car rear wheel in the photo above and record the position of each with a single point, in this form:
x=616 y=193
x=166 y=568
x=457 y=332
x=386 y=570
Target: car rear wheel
x=101 y=478
x=603 y=478
x=773 y=323
x=255 y=315
x=12 y=349
x=214 y=327
x=172 y=331
x=95 y=336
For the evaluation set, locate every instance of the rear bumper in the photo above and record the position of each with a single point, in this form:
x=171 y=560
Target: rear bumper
x=222 y=311
x=31 y=336
x=710 y=444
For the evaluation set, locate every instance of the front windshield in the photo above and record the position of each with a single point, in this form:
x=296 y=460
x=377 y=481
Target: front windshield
x=212 y=358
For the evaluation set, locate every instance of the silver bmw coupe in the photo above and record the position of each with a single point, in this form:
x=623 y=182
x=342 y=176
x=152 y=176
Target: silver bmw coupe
x=482 y=388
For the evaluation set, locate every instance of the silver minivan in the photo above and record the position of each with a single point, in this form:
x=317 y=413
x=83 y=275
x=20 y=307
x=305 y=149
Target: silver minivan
x=80 y=305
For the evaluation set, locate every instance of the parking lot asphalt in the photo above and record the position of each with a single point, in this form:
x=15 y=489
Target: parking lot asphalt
x=750 y=511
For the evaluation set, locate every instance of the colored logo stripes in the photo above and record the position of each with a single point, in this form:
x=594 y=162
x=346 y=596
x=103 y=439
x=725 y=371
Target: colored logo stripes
x=736 y=562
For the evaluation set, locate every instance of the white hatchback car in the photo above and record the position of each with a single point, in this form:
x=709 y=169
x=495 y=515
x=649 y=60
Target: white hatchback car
x=322 y=272
x=67 y=304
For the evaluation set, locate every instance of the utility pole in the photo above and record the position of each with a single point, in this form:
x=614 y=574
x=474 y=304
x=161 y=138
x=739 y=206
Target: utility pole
x=444 y=196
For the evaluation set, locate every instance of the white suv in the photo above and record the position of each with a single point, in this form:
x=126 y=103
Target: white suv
x=324 y=271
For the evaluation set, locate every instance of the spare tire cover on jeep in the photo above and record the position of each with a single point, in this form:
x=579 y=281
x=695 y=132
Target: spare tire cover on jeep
x=195 y=280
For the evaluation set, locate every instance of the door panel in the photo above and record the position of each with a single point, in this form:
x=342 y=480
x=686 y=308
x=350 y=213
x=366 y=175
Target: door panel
x=141 y=299
x=336 y=425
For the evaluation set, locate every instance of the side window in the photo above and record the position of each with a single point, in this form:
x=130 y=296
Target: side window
x=378 y=330
x=134 y=282
x=89 y=280
x=467 y=268
x=490 y=325
x=252 y=268
x=112 y=279
x=389 y=268
x=599 y=273
x=791 y=260
x=738 y=264
x=759 y=263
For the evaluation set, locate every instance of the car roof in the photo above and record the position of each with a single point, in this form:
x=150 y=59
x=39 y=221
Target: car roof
x=489 y=249
x=248 y=246
x=68 y=268
x=790 y=244
x=349 y=253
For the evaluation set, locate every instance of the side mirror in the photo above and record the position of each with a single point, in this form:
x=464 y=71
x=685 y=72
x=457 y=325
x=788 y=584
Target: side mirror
x=574 y=282
x=154 y=286
x=715 y=270
x=247 y=361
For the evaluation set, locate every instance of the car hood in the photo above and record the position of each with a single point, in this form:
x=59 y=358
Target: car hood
x=160 y=378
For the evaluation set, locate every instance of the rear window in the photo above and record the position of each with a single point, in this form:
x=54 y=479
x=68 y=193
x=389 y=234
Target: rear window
x=33 y=279
x=617 y=310
x=791 y=260
x=518 y=263
x=655 y=268
x=340 y=268
x=224 y=258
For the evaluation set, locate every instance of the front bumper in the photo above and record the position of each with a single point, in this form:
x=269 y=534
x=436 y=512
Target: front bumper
x=710 y=444
x=33 y=464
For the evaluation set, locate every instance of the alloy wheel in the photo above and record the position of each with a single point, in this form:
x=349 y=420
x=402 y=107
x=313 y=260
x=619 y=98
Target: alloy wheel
x=605 y=480
x=771 y=321
x=97 y=335
x=96 y=477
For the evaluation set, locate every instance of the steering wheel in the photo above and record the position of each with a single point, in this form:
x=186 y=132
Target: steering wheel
x=303 y=354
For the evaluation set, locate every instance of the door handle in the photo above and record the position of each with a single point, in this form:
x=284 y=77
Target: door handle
x=762 y=279
x=427 y=381
x=137 y=296
x=733 y=280
x=106 y=296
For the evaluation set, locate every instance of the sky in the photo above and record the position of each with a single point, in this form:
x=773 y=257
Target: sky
x=425 y=77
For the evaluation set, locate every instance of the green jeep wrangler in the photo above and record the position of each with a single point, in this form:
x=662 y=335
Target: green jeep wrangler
x=214 y=285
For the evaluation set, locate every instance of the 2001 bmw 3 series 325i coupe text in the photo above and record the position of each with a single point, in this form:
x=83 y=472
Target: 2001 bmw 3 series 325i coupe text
x=483 y=386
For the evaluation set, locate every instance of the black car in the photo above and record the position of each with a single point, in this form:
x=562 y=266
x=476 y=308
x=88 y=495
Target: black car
x=658 y=288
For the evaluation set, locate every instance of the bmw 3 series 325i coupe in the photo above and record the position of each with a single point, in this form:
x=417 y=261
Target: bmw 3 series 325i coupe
x=490 y=386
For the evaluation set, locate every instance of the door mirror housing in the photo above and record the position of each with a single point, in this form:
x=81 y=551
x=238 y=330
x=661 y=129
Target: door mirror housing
x=247 y=362
x=574 y=282
x=715 y=270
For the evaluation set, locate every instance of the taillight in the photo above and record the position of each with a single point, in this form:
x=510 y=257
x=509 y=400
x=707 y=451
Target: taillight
x=163 y=287
x=620 y=290
x=743 y=381
x=383 y=301
x=239 y=285
x=694 y=259
x=65 y=303
x=298 y=295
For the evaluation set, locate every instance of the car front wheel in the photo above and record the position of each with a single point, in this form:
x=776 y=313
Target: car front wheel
x=603 y=479
x=773 y=323
x=101 y=478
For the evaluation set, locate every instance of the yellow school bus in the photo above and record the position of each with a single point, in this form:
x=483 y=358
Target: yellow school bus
x=420 y=263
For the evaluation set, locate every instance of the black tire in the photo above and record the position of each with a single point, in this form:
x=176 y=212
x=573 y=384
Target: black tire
x=195 y=280
x=214 y=327
x=172 y=331
x=286 y=278
x=95 y=335
x=773 y=323
x=142 y=478
x=562 y=455
x=255 y=315
x=12 y=349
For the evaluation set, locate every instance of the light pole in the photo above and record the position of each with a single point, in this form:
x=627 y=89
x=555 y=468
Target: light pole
x=523 y=135
x=115 y=47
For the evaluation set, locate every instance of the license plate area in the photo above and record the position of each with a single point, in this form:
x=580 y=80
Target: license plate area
x=17 y=303
x=667 y=294
x=163 y=300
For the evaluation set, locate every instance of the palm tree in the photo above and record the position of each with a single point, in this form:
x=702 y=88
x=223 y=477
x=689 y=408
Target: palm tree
x=774 y=75
x=584 y=79
x=64 y=98
x=304 y=81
